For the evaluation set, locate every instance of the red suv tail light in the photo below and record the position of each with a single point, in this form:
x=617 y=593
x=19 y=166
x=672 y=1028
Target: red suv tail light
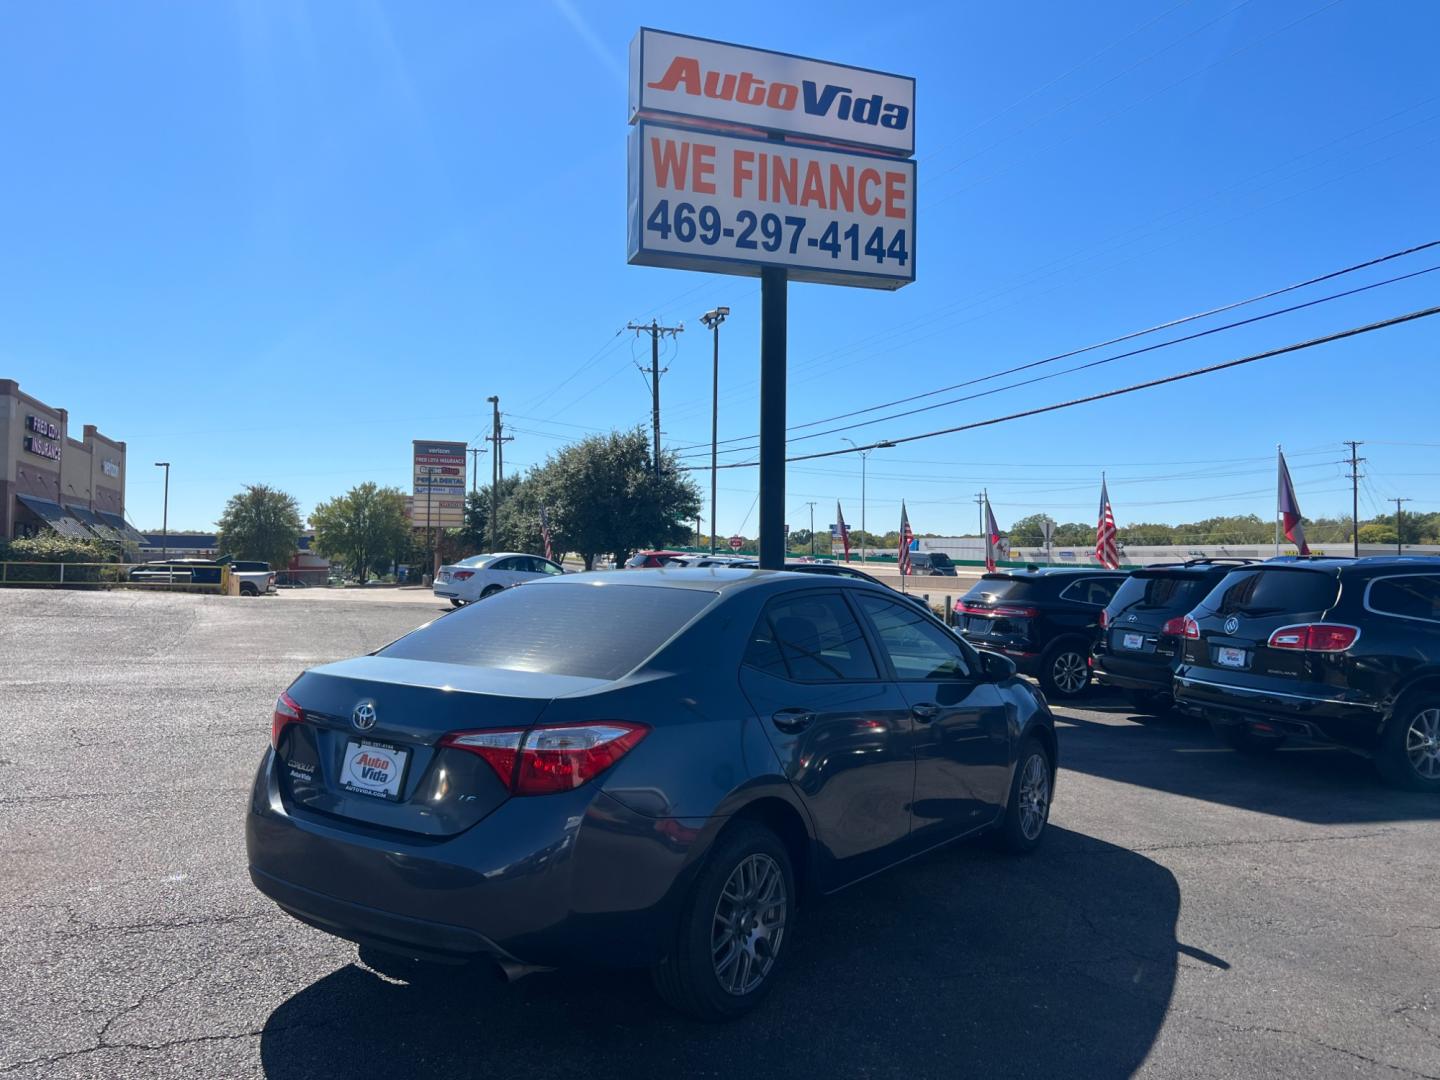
x=1315 y=637
x=1104 y=619
x=1176 y=627
x=463 y=575
x=1006 y=612
x=286 y=713
x=552 y=757
x=1190 y=628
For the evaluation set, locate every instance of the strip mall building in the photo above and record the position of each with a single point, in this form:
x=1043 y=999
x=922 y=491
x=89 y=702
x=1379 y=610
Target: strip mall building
x=52 y=482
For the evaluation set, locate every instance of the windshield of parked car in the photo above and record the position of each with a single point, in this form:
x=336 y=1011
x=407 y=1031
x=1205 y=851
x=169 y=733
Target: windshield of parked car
x=1273 y=591
x=1005 y=588
x=550 y=629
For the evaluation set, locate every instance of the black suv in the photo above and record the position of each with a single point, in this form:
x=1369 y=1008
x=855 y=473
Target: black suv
x=1043 y=619
x=1142 y=628
x=1340 y=651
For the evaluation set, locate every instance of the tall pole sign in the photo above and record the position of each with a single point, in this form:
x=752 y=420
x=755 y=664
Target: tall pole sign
x=763 y=164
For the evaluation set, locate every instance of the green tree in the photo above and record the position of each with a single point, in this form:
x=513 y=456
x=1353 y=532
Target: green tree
x=603 y=496
x=261 y=523
x=363 y=528
x=1377 y=532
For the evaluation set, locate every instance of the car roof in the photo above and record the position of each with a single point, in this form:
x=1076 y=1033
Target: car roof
x=706 y=578
x=1049 y=572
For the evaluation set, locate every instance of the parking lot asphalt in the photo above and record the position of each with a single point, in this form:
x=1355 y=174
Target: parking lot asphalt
x=1193 y=913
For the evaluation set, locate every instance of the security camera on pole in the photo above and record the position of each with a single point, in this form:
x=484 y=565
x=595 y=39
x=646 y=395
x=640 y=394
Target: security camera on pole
x=765 y=164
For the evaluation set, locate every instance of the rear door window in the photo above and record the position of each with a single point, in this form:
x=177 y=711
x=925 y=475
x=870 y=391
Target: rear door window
x=810 y=637
x=1272 y=592
x=534 y=629
x=1096 y=591
x=1410 y=596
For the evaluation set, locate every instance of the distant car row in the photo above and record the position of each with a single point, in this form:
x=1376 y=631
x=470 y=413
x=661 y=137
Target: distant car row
x=252 y=578
x=934 y=563
x=1344 y=652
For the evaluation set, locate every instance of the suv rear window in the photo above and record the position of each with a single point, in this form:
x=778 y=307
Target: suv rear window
x=1144 y=592
x=533 y=628
x=1006 y=588
x=1272 y=592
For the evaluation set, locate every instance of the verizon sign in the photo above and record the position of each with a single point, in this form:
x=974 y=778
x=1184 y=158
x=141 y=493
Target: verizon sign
x=756 y=91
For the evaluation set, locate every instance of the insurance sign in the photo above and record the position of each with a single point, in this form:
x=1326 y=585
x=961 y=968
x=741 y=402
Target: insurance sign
x=439 y=472
x=738 y=88
x=732 y=204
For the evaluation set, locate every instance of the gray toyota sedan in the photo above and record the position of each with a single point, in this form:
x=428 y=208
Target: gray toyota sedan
x=638 y=770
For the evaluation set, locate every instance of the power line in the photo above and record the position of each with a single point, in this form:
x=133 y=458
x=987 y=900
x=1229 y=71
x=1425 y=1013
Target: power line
x=1124 y=337
x=1224 y=365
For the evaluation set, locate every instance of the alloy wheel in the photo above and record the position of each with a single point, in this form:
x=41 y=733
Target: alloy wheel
x=1422 y=743
x=1070 y=672
x=1034 y=796
x=749 y=924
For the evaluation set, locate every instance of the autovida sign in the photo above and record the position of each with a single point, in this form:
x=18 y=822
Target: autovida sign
x=742 y=158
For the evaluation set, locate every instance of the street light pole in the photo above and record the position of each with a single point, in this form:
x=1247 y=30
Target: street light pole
x=712 y=320
x=864 y=456
x=165 y=513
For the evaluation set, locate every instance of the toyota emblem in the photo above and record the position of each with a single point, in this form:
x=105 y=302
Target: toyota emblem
x=364 y=716
x=1231 y=625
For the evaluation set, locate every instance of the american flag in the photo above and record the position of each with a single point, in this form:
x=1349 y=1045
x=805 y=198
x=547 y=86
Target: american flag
x=545 y=531
x=906 y=539
x=844 y=529
x=1289 y=510
x=992 y=537
x=1106 y=551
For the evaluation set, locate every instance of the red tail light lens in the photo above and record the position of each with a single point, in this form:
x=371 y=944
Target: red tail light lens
x=1190 y=628
x=1104 y=619
x=463 y=575
x=553 y=757
x=1176 y=627
x=1314 y=637
x=286 y=713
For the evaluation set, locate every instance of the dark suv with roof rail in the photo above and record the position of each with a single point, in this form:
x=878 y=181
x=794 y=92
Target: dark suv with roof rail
x=1043 y=619
x=1142 y=628
x=1338 y=651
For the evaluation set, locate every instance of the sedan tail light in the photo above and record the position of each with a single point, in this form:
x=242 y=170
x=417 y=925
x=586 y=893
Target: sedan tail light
x=286 y=713
x=1315 y=637
x=1176 y=627
x=552 y=757
x=1190 y=628
x=463 y=575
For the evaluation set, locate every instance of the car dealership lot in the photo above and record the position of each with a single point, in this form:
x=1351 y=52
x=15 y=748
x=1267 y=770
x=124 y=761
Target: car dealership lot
x=1192 y=913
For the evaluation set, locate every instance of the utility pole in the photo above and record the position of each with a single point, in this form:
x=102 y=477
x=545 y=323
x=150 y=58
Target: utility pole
x=474 y=452
x=1355 y=496
x=494 y=437
x=712 y=319
x=656 y=331
x=980 y=505
x=1397 y=524
x=165 y=513
x=812 y=528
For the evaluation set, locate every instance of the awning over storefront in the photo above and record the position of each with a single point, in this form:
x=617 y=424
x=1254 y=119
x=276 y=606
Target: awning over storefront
x=56 y=517
x=127 y=532
x=96 y=524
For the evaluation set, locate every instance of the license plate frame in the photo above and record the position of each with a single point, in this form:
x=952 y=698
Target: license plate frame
x=1231 y=656
x=360 y=779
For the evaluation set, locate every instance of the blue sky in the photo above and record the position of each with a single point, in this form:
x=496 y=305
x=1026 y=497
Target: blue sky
x=277 y=242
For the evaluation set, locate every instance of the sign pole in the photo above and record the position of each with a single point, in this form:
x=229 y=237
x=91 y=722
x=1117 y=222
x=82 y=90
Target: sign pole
x=773 y=312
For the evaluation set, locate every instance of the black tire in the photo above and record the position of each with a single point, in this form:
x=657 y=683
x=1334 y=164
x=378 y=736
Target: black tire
x=687 y=978
x=1060 y=677
x=246 y=589
x=491 y=591
x=1408 y=756
x=1018 y=832
x=1240 y=738
x=456 y=603
x=1152 y=702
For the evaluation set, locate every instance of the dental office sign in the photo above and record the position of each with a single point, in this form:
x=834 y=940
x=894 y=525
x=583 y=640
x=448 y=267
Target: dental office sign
x=742 y=158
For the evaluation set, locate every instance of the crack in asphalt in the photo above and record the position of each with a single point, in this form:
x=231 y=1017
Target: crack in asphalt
x=1245 y=1029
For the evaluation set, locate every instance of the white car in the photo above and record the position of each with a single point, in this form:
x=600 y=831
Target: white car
x=480 y=576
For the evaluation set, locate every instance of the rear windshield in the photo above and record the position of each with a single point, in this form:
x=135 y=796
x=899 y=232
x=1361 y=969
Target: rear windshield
x=1171 y=591
x=1273 y=592
x=593 y=632
x=1004 y=588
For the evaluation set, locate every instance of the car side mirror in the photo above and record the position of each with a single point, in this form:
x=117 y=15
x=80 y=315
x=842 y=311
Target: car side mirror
x=997 y=668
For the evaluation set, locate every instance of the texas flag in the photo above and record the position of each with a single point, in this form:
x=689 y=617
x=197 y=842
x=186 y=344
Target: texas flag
x=1289 y=509
x=992 y=537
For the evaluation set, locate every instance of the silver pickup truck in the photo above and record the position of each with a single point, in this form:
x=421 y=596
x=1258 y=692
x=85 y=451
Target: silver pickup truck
x=253 y=578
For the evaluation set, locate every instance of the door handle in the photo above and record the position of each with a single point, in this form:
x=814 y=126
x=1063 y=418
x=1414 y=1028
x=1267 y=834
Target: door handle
x=793 y=720
x=925 y=711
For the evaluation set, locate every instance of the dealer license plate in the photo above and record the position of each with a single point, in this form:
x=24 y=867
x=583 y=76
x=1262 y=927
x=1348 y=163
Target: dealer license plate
x=1134 y=641
x=373 y=768
x=1227 y=656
